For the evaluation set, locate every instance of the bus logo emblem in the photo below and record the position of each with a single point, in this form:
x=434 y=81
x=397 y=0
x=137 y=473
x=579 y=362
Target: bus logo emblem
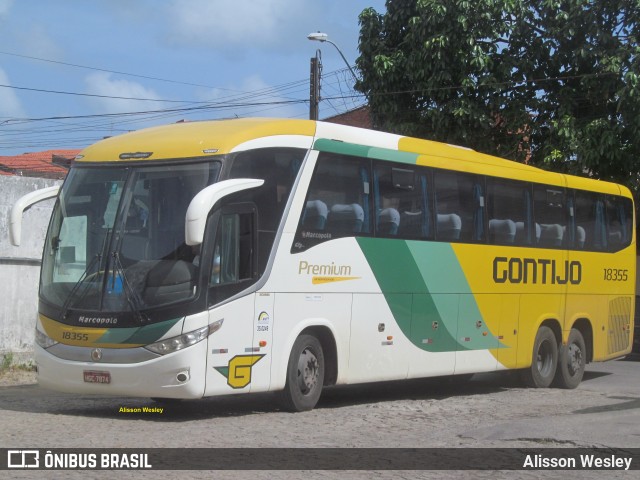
x=96 y=354
x=238 y=372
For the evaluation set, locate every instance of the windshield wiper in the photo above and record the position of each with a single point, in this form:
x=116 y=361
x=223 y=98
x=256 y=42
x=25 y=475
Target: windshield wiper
x=67 y=304
x=133 y=299
x=96 y=260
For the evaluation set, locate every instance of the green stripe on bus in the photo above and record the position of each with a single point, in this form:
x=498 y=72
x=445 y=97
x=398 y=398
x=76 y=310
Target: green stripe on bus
x=333 y=146
x=407 y=273
x=393 y=155
x=138 y=335
x=353 y=149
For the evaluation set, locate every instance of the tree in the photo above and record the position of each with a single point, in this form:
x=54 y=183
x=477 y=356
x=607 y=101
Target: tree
x=587 y=121
x=555 y=82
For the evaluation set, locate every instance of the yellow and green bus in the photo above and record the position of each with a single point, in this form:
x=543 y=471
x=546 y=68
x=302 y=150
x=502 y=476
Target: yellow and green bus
x=254 y=255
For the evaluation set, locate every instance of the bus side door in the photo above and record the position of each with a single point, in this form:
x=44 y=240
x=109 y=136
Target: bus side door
x=231 y=354
x=230 y=357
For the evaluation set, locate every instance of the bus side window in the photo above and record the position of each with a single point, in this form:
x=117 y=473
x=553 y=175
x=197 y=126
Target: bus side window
x=509 y=212
x=549 y=207
x=278 y=167
x=459 y=206
x=589 y=223
x=233 y=262
x=619 y=221
x=338 y=202
x=401 y=201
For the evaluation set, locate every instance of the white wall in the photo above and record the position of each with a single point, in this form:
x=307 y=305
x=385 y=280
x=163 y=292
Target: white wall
x=20 y=266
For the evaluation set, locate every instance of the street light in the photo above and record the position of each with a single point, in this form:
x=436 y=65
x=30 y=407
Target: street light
x=323 y=37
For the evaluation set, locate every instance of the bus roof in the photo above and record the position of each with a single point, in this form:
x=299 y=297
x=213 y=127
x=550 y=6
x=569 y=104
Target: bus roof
x=204 y=138
x=191 y=139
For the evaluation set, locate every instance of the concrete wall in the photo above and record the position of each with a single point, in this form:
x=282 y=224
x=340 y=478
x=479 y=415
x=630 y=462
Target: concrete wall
x=20 y=266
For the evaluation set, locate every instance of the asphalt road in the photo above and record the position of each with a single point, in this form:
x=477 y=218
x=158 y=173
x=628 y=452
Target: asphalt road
x=491 y=410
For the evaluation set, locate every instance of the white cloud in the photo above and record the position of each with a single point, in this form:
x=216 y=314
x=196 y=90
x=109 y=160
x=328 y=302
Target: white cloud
x=102 y=83
x=10 y=106
x=232 y=23
x=36 y=41
x=5 y=6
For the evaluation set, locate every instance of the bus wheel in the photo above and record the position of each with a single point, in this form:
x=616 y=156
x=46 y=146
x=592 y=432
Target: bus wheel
x=544 y=360
x=571 y=361
x=305 y=375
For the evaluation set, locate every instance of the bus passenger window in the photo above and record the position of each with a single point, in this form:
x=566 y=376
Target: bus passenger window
x=549 y=206
x=589 y=220
x=338 y=201
x=618 y=222
x=401 y=201
x=233 y=250
x=509 y=212
x=278 y=167
x=459 y=207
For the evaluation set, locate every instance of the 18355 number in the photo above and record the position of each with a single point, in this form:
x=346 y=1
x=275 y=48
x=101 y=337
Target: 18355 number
x=616 y=274
x=79 y=337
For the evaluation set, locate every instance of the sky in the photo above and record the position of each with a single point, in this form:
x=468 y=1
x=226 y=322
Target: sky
x=75 y=71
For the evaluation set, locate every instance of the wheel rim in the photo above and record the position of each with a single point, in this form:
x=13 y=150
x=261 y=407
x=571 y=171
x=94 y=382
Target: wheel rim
x=308 y=371
x=574 y=358
x=545 y=359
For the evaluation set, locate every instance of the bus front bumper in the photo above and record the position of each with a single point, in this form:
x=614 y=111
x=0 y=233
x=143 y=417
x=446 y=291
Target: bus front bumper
x=177 y=375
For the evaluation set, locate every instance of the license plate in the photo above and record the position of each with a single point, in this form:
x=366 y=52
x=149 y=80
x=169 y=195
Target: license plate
x=93 y=376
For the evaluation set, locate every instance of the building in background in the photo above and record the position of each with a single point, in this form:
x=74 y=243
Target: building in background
x=358 y=117
x=47 y=164
x=20 y=266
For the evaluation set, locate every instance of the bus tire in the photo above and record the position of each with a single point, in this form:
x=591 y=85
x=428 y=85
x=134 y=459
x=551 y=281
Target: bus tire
x=544 y=360
x=571 y=361
x=305 y=375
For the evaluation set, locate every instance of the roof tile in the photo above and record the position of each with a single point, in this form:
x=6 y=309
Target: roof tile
x=36 y=164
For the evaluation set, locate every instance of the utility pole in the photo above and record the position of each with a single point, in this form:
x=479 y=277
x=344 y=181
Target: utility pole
x=314 y=86
x=316 y=72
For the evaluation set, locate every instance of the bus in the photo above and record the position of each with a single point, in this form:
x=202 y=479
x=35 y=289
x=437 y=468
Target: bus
x=256 y=255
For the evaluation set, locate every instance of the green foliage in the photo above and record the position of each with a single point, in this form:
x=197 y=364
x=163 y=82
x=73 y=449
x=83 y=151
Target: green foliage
x=7 y=361
x=553 y=82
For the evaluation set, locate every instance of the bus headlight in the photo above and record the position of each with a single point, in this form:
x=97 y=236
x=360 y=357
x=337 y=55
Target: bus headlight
x=185 y=340
x=44 y=340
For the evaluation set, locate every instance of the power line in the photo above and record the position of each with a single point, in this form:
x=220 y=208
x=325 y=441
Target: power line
x=65 y=130
x=59 y=92
x=221 y=106
x=233 y=94
x=75 y=65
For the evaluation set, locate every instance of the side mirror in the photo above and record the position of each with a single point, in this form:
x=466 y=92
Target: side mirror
x=203 y=202
x=23 y=204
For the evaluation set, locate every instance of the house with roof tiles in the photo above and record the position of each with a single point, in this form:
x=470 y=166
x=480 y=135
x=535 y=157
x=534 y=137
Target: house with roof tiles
x=46 y=164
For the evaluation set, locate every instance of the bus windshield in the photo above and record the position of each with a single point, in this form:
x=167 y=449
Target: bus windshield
x=116 y=239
